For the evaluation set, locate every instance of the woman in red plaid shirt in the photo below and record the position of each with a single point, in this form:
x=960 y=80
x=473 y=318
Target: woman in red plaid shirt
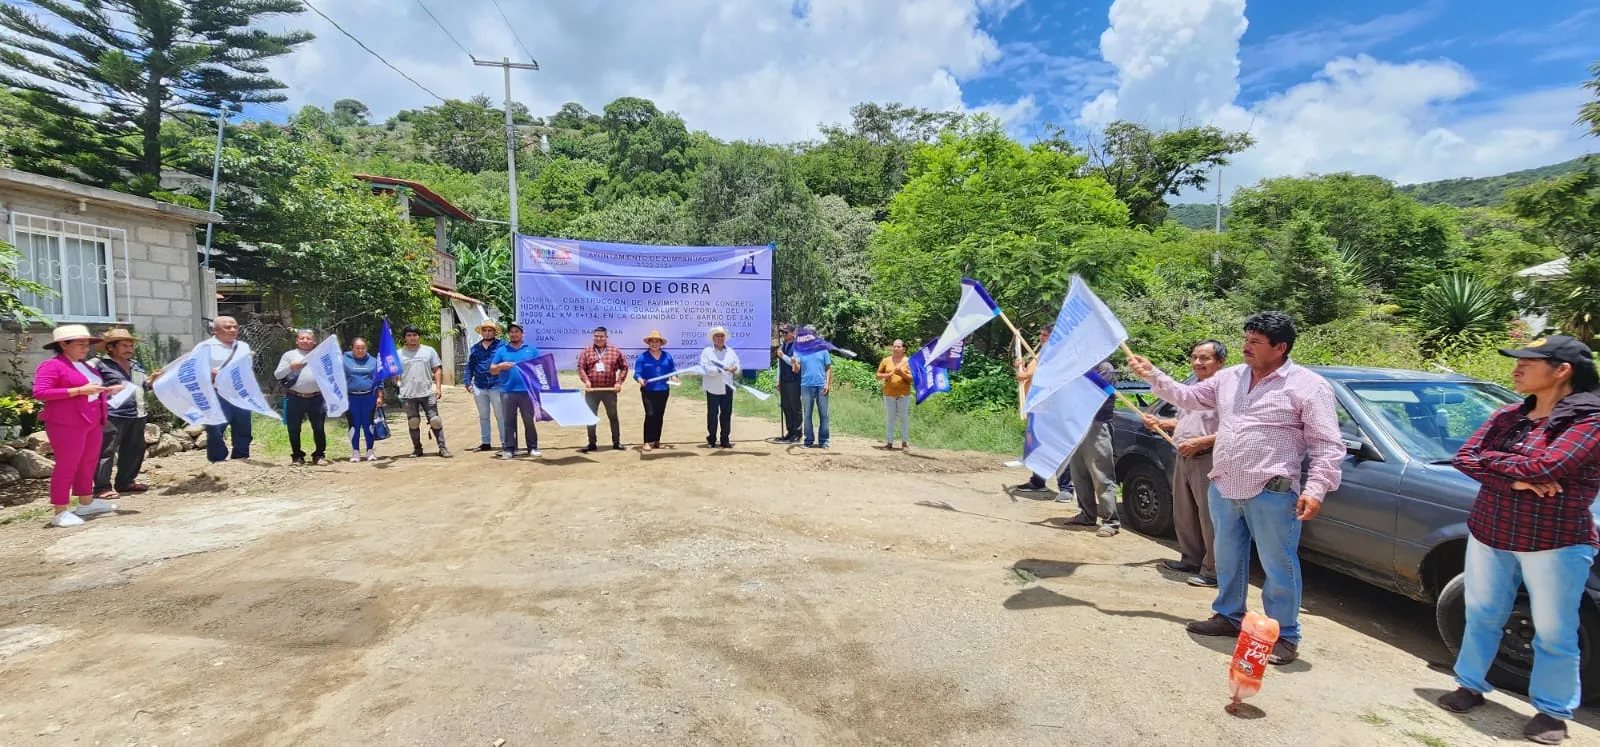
x=1539 y=466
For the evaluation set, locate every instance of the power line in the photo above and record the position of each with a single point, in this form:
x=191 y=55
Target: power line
x=442 y=28
x=369 y=51
x=512 y=28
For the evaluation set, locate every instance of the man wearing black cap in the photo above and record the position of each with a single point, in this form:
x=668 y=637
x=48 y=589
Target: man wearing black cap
x=1538 y=466
x=421 y=385
x=788 y=385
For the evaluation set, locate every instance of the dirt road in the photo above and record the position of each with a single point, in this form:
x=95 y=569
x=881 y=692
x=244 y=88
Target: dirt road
x=762 y=595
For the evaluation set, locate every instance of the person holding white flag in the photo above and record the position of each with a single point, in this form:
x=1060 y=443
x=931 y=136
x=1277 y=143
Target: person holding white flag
x=721 y=365
x=215 y=352
x=303 y=399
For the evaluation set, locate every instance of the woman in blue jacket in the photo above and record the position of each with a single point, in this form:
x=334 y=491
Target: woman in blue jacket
x=650 y=364
x=365 y=397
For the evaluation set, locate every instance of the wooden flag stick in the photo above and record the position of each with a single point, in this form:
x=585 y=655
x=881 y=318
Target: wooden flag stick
x=1018 y=333
x=1135 y=407
x=1016 y=348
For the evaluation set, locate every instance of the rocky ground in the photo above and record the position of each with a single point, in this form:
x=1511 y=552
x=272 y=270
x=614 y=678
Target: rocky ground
x=761 y=595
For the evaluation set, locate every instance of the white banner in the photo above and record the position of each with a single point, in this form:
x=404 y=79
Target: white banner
x=567 y=408
x=325 y=363
x=236 y=383
x=185 y=388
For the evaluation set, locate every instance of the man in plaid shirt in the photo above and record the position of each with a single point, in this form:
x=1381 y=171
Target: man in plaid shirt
x=1539 y=466
x=602 y=369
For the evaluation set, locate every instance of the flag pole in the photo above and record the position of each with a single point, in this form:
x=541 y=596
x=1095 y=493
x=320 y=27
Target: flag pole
x=1136 y=408
x=1016 y=349
x=1018 y=333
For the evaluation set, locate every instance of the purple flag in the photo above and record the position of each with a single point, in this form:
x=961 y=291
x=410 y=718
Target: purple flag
x=807 y=341
x=926 y=378
x=951 y=359
x=540 y=374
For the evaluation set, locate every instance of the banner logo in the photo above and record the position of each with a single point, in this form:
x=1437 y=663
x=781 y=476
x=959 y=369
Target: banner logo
x=550 y=255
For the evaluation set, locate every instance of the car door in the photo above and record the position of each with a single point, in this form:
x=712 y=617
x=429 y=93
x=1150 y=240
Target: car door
x=1354 y=531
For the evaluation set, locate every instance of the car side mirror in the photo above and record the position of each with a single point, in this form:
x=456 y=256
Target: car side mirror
x=1354 y=447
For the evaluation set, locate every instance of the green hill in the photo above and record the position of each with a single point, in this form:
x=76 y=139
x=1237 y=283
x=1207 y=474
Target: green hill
x=1197 y=215
x=1486 y=191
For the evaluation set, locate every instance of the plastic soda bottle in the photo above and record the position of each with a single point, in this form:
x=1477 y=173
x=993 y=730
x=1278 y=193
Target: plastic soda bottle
x=1256 y=637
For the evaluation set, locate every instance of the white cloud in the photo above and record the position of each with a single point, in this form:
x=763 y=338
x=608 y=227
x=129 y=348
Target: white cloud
x=1177 y=64
x=770 y=70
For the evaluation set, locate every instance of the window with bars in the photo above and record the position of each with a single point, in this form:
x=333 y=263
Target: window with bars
x=76 y=260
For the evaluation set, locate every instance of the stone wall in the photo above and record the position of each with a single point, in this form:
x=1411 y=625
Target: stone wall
x=164 y=288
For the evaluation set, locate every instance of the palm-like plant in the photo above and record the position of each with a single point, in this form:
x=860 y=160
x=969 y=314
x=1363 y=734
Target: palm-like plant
x=1457 y=308
x=1575 y=301
x=485 y=272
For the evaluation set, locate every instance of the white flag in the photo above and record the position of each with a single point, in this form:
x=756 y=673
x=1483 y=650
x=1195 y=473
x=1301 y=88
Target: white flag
x=1085 y=333
x=185 y=389
x=567 y=408
x=325 y=362
x=975 y=310
x=236 y=383
x=754 y=392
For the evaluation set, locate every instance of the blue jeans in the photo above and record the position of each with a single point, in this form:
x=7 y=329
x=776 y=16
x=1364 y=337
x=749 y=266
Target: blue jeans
x=1555 y=581
x=809 y=396
x=489 y=403
x=1269 y=520
x=239 y=423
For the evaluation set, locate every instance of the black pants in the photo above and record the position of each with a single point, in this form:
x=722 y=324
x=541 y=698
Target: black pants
x=719 y=412
x=124 y=444
x=609 y=399
x=514 y=406
x=298 y=410
x=789 y=401
x=655 y=411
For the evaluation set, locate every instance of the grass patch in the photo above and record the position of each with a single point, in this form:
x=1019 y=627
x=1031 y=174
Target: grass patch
x=1428 y=739
x=1373 y=719
x=857 y=412
x=27 y=515
x=270 y=438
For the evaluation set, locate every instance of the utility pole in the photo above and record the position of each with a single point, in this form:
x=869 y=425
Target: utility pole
x=216 y=171
x=1219 y=199
x=507 y=65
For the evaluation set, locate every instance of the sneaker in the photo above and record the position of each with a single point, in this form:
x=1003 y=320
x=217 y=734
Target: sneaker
x=66 y=519
x=1065 y=496
x=96 y=506
x=1217 y=625
x=445 y=453
x=371 y=457
x=506 y=455
x=320 y=462
x=1108 y=530
x=1202 y=581
x=1283 y=652
x=355 y=458
x=1544 y=729
x=904 y=446
x=823 y=445
x=1460 y=701
x=484 y=447
x=809 y=445
x=535 y=453
x=1180 y=566
x=297 y=462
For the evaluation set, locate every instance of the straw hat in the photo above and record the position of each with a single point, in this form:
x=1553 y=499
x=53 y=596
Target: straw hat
x=487 y=324
x=717 y=331
x=117 y=334
x=655 y=334
x=67 y=333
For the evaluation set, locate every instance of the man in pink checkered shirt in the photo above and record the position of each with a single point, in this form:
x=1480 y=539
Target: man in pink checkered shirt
x=1273 y=414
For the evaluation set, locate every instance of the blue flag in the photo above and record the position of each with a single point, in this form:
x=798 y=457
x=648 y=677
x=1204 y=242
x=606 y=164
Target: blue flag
x=927 y=379
x=541 y=376
x=1055 y=429
x=974 y=310
x=807 y=341
x=951 y=360
x=388 y=356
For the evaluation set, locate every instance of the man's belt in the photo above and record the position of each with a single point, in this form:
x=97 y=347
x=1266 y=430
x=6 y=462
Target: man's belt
x=312 y=395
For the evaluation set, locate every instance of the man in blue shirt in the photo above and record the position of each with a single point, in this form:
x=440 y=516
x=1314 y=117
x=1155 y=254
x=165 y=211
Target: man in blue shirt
x=816 y=380
x=515 y=398
x=484 y=386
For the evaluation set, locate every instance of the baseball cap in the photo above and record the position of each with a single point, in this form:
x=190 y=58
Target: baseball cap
x=1558 y=348
x=786 y=328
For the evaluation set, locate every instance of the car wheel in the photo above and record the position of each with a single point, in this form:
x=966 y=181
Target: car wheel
x=1513 y=664
x=1147 y=500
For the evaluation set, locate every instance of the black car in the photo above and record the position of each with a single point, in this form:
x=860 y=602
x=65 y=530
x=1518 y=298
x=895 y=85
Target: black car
x=1399 y=518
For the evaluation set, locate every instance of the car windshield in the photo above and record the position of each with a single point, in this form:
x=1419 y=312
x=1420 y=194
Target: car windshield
x=1431 y=419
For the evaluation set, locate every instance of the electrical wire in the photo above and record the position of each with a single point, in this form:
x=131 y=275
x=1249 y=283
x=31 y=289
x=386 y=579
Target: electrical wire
x=446 y=31
x=513 y=29
x=369 y=51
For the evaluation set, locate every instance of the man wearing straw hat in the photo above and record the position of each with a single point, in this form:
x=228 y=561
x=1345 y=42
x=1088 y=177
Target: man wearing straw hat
x=721 y=365
x=123 y=444
x=485 y=386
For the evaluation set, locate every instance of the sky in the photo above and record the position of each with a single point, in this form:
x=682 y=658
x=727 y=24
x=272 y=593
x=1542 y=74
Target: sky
x=1412 y=90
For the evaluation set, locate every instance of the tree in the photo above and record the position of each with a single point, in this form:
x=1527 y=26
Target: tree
x=1146 y=167
x=981 y=205
x=468 y=135
x=350 y=113
x=652 y=153
x=752 y=194
x=484 y=272
x=144 y=60
x=1306 y=276
x=1399 y=244
x=300 y=224
x=572 y=116
x=45 y=135
x=866 y=163
x=633 y=220
x=1590 y=113
x=1566 y=212
x=12 y=287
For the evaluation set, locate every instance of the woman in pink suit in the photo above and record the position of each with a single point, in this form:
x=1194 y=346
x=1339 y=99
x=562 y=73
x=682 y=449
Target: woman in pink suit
x=74 y=417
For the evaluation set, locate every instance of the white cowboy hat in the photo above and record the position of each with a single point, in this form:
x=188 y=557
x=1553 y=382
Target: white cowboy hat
x=716 y=331
x=67 y=333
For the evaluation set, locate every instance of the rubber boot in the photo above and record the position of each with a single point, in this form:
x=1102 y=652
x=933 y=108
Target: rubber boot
x=438 y=436
x=416 y=442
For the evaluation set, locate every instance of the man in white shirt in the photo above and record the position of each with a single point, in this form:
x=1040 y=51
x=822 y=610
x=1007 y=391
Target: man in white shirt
x=303 y=399
x=223 y=346
x=421 y=386
x=721 y=365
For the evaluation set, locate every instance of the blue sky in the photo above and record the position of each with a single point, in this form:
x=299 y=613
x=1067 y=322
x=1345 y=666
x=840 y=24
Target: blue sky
x=1410 y=90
